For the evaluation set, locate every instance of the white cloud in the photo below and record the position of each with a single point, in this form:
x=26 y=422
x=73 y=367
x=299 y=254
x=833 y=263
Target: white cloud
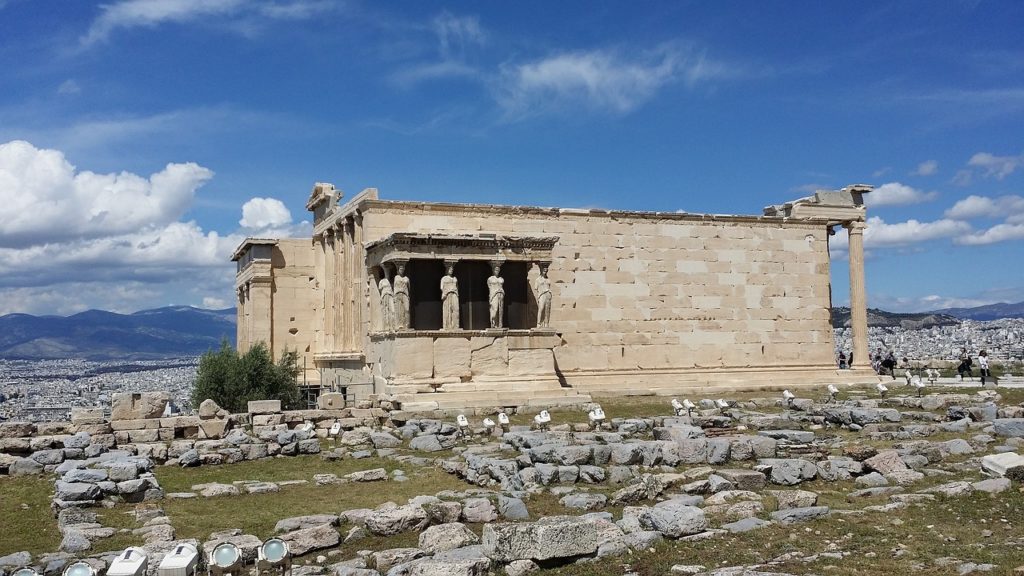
x=215 y=303
x=997 y=167
x=926 y=168
x=881 y=234
x=894 y=193
x=127 y=14
x=260 y=213
x=998 y=233
x=926 y=303
x=69 y=87
x=457 y=33
x=1010 y=207
x=39 y=187
x=600 y=79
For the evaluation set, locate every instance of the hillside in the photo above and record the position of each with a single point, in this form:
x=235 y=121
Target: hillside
x=881 y=318
x=989 y=312
x=99 y=335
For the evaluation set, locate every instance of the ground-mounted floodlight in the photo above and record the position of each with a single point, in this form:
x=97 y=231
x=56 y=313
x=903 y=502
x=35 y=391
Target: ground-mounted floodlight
x=79 y=569
x=933 y=375
x=25 y=571
x=832 y=392
x=305 y=427
x=225 y=558
x=596 y=417
x=542 y=420
x=677 y=407
x=689 y=406
x=334 y=430
x=463 y=423
x=274 y=557
x=489 y=426
x=882 y=389
x=908 y=377
x=919 y=385
x=503 y=421
x=723 y=407
x=132 y=562
x=183 y=560
x=787 y=397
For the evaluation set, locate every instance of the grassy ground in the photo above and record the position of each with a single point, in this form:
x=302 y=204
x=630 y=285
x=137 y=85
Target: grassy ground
x=26 y=522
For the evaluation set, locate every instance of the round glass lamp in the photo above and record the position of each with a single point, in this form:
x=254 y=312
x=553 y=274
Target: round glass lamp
x=225 y=555
x=275 y=550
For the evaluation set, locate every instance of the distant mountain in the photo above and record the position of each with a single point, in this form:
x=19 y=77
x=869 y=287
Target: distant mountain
x=881 y=318
x=989 y=312
x=98 y=335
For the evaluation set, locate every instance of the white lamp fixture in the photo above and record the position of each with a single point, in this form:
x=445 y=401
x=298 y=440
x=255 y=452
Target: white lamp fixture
x=273 y=556
x=305 y=427
x=26 y=571
x=335 y=429
x=132 y=562
x=183 y=560
x=596 y=416
x=677 y=407
x=832 y=392
x=489 y=424
x=919 y=385
x=79 y=569
x=542 y=420
x=503 y=421
x=689 y=406
x=881 y=389
x=463 y=423
x=721 y=404
x=226 y=558
x=787 y=397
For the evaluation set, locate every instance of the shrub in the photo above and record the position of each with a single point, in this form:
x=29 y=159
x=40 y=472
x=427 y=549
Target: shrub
x=231 y=379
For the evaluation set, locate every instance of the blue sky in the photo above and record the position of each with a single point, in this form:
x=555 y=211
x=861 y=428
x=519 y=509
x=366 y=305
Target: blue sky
x=140 y=140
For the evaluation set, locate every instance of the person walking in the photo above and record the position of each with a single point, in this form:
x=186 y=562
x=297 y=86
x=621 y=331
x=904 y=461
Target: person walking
x=842 y=360
x=983 y=366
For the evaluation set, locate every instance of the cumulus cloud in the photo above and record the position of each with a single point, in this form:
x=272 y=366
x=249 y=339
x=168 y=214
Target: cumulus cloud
x=600 y=79
x=259 y=213
x=894 y=193
x=926 y=168
x=997 y=167
x=73 y=239
x=39 y=187
x=998 y=233
x=881 y=234
x=1010 y=207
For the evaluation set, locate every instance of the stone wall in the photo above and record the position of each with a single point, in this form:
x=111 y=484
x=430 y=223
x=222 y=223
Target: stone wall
x=638 y=295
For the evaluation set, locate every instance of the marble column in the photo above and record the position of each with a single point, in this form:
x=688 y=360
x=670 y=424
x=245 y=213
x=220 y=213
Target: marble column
x=359 y=330
x=348 y=288
x=320 y=274
x=240 y=335
x=858 y=295
x=330 y=281
x=340 y=278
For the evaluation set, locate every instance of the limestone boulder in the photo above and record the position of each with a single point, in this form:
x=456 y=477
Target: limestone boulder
x=674 y=519
x=793 y=515
x=794 y=498
x=138 y=405
x=388 y=521
x=77 y=491
x=549 y=538
x=789 y=471
x=302 y=522
x=478 y=511
x=306 y=540
x=445 y=537
x=885 y=462
x=1009 y=427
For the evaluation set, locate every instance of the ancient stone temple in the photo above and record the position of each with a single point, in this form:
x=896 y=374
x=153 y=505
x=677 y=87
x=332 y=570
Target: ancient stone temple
x=452 y=305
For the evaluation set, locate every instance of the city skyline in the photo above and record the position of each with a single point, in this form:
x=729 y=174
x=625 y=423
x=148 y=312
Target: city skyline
x=141 y=140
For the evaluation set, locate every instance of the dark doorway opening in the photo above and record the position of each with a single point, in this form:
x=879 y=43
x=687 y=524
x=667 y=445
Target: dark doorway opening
x=474 y=309
x=425 y=293
x=517 y=296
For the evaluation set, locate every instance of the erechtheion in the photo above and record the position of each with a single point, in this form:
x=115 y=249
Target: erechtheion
x=463 y=305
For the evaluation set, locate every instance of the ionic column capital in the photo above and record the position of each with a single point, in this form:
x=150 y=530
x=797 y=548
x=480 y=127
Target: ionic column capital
x=855 y=226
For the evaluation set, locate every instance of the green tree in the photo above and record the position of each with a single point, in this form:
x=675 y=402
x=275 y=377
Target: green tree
x=231 y=379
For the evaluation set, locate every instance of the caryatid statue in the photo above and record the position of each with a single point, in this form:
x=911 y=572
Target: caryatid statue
x=401 y=287
x=496 y=296
x=449 y=298
x=387 y=303
x=542 y=288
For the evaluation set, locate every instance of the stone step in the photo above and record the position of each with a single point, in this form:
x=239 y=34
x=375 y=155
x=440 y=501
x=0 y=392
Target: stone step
x=492 y=398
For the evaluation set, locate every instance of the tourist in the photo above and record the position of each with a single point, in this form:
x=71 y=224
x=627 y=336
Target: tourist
x=983 y=366
x=842 y=360
x=889 y=364
x=965 y=364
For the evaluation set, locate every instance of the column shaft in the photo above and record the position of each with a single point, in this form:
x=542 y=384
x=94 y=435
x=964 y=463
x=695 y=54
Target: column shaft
x=858 y=295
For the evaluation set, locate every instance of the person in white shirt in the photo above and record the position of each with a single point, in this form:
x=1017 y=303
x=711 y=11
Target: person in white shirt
x=983 y=365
